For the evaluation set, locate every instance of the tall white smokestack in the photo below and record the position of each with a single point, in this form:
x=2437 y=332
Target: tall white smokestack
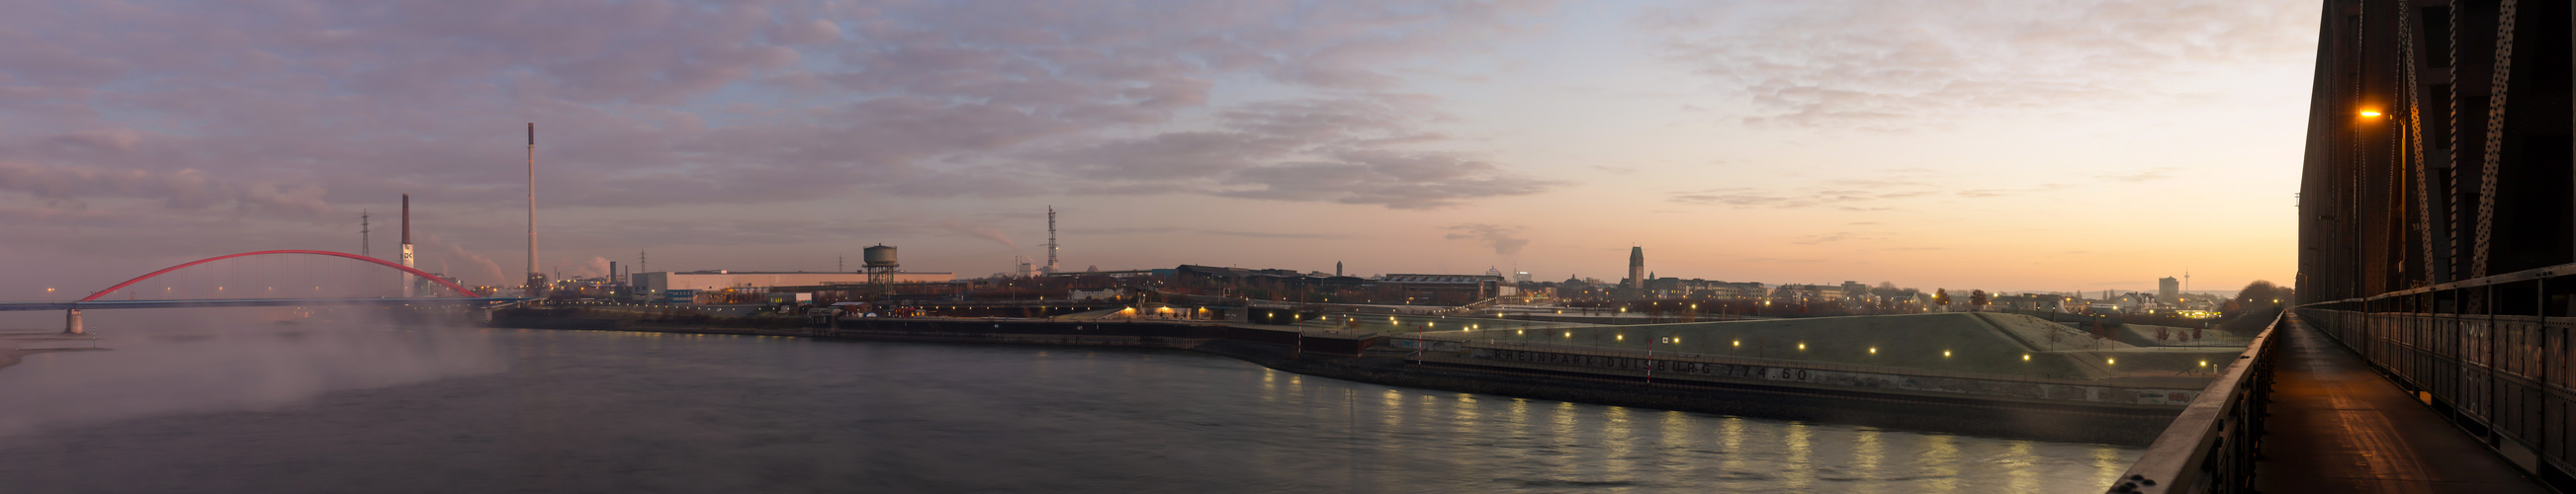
x=531 y=283
x=1051 y=267
x=409 y=281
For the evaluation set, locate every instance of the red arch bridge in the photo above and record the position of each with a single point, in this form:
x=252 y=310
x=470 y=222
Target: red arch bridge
x=461 y=296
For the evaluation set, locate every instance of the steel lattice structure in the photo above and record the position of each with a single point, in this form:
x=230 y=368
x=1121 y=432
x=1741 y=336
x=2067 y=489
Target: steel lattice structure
x=2439 y=146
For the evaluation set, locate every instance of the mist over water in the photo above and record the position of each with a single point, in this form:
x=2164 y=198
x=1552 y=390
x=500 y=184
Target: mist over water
x=477 y=410
x=163 y=361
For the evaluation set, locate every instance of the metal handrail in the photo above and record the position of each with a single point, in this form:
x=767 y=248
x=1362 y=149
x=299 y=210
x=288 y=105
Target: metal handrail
x=2211 y=446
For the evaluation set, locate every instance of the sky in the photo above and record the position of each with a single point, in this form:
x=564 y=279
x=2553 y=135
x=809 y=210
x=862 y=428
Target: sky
x=2020 y=145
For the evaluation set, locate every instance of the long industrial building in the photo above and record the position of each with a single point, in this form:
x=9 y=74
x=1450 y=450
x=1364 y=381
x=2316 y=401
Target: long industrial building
x=661 y=281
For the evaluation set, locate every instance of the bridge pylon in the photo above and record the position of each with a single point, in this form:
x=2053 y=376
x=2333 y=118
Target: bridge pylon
x=72 y=321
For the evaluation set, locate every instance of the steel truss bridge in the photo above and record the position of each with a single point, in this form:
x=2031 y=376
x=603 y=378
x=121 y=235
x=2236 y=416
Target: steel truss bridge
x=2434 y=349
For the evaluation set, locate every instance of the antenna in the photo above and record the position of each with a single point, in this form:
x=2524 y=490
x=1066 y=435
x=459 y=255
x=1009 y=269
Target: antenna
x=363 y=243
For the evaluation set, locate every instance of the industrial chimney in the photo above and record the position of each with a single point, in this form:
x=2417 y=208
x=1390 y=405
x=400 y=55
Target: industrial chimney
x=533 y=285
x=409 y=282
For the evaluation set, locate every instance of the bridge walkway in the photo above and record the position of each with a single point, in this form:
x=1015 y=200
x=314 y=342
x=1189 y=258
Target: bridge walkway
x=2336 y=426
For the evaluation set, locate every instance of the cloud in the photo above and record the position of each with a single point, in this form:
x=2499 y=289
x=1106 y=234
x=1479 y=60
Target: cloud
x=186 y=189
x=1351 y=150
x=1849 y=193
x=1885 y=65
x=1742 y=198
x=457 y=252
x=2157 y=173
x=979 y=231
x=1498 y=237
x=1823 y=238
x=1790 y=198
x=664 y=103
x=596 y=266
x=1174 y=230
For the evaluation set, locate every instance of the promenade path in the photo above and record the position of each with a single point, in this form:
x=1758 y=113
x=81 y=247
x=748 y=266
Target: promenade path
x=2338 y=427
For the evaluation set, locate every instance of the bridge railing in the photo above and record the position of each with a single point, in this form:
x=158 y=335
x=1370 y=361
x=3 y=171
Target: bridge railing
x=2211 y=446
x=2496 y=356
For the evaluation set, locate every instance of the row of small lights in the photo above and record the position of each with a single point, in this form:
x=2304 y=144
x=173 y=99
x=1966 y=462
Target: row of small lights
x=1802 y=346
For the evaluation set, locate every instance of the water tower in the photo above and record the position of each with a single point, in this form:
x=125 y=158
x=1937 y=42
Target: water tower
x=880 y=265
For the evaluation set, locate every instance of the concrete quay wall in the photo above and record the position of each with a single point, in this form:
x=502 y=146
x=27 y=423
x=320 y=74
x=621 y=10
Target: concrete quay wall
x=2170 y=399
x=1953 y=415
x=1798 y=394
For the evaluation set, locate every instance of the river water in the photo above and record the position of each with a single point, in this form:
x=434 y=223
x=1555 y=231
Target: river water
x=369 y=409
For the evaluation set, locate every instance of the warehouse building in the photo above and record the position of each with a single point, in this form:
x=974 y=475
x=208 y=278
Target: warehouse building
x=661 y=281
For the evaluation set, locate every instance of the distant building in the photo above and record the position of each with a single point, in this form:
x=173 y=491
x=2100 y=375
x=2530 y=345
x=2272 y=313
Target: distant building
x=1269 y=284
x=1218 y=280
x=2167 y=288
x=1442 y=289
x=1636 y=283
x=661 y=281
x=1521 y=277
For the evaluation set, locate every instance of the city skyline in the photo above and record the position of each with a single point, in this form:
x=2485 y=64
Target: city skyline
x=1809 y=143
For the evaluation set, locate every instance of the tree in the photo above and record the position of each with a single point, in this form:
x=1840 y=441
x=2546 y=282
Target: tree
x=2260 y=292
x=1977 y=298
x=1941 y=296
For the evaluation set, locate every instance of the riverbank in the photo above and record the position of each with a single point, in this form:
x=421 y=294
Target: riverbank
x=1356 y=357
x=1988 y=418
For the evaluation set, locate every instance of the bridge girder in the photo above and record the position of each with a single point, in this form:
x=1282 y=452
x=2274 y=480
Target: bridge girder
x=2466 y=170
